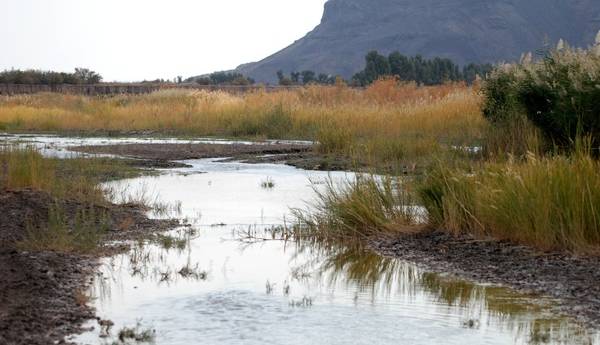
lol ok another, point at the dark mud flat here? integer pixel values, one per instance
(174, 152)
(42, 293)
(573, 280)
(163, 155)
(304, 160)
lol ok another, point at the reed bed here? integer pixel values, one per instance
(387, 121)
(547, 202)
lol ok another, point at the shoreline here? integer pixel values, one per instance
(44, 292)
(570, 279)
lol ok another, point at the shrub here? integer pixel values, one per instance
(559, 94)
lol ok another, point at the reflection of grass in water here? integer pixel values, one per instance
(171, 242)
(350, 263)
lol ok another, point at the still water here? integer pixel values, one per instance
(230, 278)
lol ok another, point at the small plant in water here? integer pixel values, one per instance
(270, 287)
(193, 272)
(268, 183)
(137, 334)
(305, 302)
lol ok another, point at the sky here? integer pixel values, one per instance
(133, 40)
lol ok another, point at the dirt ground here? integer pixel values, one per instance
(175, 152)
(573, 280)
(42, 294)
(300, 156)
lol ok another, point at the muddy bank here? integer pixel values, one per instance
(174, 152)
(573, 280)
(300, 156)
(42, 295)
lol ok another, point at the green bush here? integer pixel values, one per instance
(560, 95)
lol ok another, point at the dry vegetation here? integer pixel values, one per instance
(67, 210)
(487, 177)
(387, 121)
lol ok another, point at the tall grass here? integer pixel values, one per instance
(25, 167)
(361, 207)
(74, 212)
(387, 121)
(547, 202)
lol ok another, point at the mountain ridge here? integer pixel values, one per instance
(463, 30)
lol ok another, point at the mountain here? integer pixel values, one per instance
(462, 30)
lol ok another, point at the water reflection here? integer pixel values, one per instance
(228, 280)
(529, 318)
(327, 283)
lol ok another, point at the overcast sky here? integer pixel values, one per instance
(131, 40)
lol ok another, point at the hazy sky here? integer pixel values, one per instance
(146, 39)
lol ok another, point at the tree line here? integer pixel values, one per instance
(79, 76)
(304, 78)
(418, 69)
(223, 78)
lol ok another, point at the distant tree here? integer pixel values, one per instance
(283, 80)
(80, 76)
(224, 78)
(295, 77)
(86, 76)
(308, 77)
(423, 71)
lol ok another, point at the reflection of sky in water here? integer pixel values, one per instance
(56, 146)
(321, 294)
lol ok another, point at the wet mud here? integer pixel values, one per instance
(42, 293)
(572, 280)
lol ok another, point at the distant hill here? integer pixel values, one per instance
(462, 30)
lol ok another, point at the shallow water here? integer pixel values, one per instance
(229, 279)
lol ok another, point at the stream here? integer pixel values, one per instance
(233, 277)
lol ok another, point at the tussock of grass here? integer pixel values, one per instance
(361, 207)
(547, 202)
(62, 234)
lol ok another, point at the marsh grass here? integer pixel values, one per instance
(547, 202)
(76, 178)
(61, 234)
(361, 207)
(137, 334)
(68, 190)
(387, 121)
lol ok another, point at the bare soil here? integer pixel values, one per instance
(175, 152)
(573, 280)
(42, 293)
(163, 155)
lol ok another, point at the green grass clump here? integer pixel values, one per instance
(75, 211)
(361, 207)
(546, 202)
(62, 234)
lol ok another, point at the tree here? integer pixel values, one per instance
(283, 80)
(86, 76)
(295, 77)
(308, 77)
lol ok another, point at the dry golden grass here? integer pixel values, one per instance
(388, 120)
